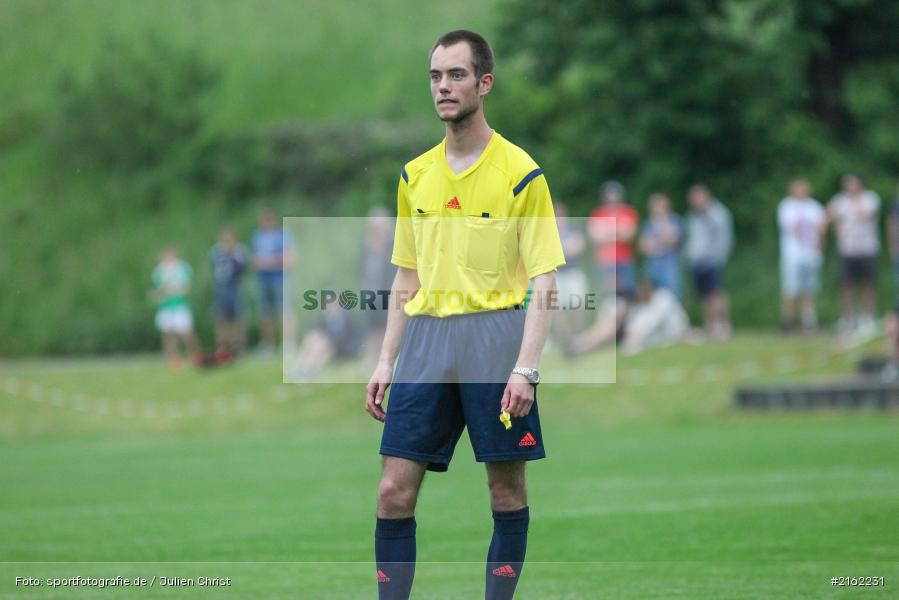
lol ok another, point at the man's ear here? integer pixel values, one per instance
(485, 84)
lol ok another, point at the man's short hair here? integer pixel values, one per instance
(611, 187)
(481, 54)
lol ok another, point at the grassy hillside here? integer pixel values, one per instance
(281, 60)
(79, 244)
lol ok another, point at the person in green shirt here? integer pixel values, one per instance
(174, 319)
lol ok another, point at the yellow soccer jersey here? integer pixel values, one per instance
(476, 237)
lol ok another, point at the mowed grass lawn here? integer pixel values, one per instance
(662, 490)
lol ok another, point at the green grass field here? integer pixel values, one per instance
(660, 490)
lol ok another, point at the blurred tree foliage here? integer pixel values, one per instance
(324, 163)
(137, 110)
(139, 117)
(742, 94)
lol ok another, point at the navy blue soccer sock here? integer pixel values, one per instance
(395, 555)
(506, 555)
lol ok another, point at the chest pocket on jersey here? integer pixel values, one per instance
(488, 242)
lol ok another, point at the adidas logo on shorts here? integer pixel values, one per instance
(528, 440)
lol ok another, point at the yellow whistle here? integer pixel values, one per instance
(506, 420)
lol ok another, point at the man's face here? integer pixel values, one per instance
(454, 88)
(699, 199)
(799, 190)
(612, 197)
(852, 185)
(379, 224)
(269, 220)
(659, 205)
(227, 239)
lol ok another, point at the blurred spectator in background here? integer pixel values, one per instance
(607, 329)
(660, 241)
(273, 253)
(572, 283)
(709, 242)
(612, 227)
(656, 318)
(335, 337)
(891, 320)
(230, 260)
(171, 281)
(893, 234)
(377, 275)
(854, 213)
(802, 222)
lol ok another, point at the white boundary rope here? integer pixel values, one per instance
(20, 388)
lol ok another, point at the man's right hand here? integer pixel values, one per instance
(375, 390)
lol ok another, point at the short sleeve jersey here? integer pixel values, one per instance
(800, 221)
(271, 244)
(228, 266)
(478, 236)
(172, 279)
(616, 252)
(856, 223)
(653, 230)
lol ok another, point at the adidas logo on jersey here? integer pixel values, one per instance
(453, 203)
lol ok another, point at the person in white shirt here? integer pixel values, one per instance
(655, 319)
(802, 222)
(854, 214)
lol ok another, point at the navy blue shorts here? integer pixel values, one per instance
(708, 279)
(271, 294)
(861, 270)
(450, 375)
(227, 302)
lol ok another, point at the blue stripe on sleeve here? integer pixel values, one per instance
(527, 179)
(405, 175)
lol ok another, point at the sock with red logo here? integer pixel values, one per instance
(395, 555)
(506, 555)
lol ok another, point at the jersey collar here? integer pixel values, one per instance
(452, 174)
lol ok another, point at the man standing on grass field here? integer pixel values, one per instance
(475, 228)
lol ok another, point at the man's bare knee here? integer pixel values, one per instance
(504, 497)
(508, 490)
(398, 489)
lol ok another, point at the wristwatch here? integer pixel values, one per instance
(532, 375)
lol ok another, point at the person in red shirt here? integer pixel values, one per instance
(612, 227)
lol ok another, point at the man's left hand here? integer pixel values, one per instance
(518, 396)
